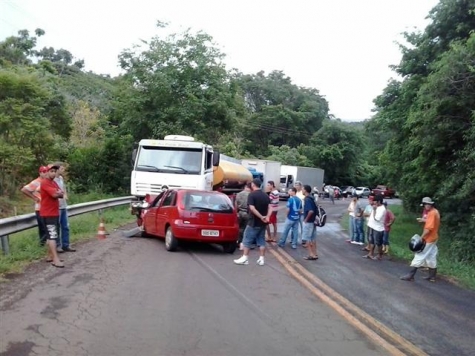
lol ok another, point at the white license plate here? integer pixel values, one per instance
(209, 232)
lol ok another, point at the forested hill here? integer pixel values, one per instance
(420, 140)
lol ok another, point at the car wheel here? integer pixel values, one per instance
(171, 243)
(229, 247)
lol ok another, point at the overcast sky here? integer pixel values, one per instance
(341, 47)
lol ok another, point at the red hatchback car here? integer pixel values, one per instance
(192, 215)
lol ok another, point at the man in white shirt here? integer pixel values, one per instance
(376, 225)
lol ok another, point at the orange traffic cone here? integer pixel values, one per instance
(101, 233)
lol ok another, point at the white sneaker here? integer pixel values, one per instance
(243, 260)
(260, 261)
(354, 243)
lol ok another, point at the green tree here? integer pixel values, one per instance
(176, 84)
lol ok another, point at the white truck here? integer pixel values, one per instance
(179, 161)
(306, 175)
(269, 169)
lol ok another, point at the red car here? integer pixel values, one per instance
(192, 215)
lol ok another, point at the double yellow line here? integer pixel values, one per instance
(380, 334)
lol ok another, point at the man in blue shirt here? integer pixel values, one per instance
(294, 208)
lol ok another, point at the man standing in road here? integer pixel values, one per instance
(294, 206)
(49, 212)
(376, 224)
(309, 234)
(259, 212)
(63, 211)
(242, 211)
(32, 190)
(428, 256)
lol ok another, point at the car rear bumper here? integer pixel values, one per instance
(194, 233)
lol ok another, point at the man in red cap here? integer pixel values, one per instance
(32, 191)
(49, 212)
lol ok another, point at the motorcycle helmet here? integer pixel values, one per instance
(417, 244)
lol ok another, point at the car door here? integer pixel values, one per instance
(165, 211)
(150, 214)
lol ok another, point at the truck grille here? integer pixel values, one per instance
(146, 188)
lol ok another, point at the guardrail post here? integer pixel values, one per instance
(5, 245)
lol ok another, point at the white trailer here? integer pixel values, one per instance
(270, 169)
(306, 175)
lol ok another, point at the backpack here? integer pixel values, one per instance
(320, 216)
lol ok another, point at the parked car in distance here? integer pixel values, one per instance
(192, 215)
(384, 191)
(347, 190)
(362, 192)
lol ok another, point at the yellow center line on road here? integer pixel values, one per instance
(345, 306)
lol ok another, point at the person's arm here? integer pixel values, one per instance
(65, 191)
(52, 190)
(27, 191)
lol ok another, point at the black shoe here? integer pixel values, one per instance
(59, 251)
(69, 249)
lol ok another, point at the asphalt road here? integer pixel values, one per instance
(129, 296)
(124, 296)
(437, 317)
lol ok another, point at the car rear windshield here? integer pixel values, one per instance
(209, 202)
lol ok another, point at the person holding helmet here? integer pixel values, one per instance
(428, 256)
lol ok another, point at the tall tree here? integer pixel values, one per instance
(176, 84)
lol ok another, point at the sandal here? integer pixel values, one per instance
(50, 260)
(310, 258)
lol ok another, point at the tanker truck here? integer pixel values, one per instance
(180, 162)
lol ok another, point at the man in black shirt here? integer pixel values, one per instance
(259, 214)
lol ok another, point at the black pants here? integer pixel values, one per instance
(41, 228)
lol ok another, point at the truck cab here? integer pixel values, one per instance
(175, 162)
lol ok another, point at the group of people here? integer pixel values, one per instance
(257, 213)
(379, 219)
(49, 193)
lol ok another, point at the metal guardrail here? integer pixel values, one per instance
(19, 223)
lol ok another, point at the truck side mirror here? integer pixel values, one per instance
(134, 154)
(216, 156)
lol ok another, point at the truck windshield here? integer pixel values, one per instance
(169, 160)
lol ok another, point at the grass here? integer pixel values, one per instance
(404, 228)
(24, 247)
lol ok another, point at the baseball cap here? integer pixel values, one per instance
(43, 169)
(51, 166)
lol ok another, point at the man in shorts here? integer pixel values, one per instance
(259, 214)
(49, 212)
(376, 225)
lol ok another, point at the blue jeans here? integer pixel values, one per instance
(254, 234)
(358, 231)
(288, 226)
(386, 238)
(64, 228)
(351, 228)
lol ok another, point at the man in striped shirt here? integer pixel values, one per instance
(274, 203)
